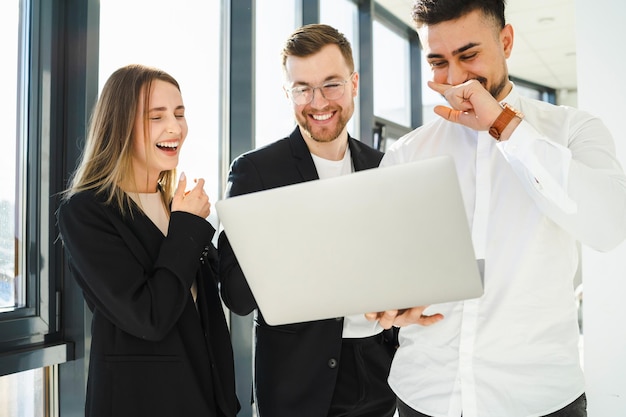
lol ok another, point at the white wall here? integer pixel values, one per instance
(602, 91)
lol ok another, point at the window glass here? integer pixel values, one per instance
(182, 38)
(392, 79)
(11, 282)
(343, 16)
(274, 116)
(529, 92)
(22, 394)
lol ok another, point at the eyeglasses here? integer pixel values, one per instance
(332, 90)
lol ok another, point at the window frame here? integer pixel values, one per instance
(547, 94)
(382, 128)
(32, 336)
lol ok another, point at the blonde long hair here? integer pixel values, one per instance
(106, 159)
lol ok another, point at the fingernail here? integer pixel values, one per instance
(182, 177)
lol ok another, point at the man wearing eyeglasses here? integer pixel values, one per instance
(336, 367)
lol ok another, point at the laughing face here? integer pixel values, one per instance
(470, 47)
(157, 148)
(322, 120)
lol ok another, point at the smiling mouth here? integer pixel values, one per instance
(168, 146)
(322, 117)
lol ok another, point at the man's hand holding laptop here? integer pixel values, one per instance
(404, 317)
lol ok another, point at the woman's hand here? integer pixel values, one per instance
(195, 201)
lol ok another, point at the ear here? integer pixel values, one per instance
(506, 38)
(355, 84)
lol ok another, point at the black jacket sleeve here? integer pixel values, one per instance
(243, 178)
(141, 288)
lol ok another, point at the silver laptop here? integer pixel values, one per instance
(375, 240)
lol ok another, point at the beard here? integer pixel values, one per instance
(495, 89)
(330, 132)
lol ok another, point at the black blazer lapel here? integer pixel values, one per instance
(363, 157)
(300, 152)
(130, 228)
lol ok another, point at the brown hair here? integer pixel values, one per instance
(310, 39)
(106, 159)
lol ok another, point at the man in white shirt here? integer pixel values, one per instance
(536, 179)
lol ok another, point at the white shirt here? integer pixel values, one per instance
(514, 351)
(356, 325)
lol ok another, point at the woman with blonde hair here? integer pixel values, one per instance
(140, 248)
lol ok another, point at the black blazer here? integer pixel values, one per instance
(152, 353)
(296, 364)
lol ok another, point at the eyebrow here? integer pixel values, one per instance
(328, 79)
(456, 51)
(181, 107)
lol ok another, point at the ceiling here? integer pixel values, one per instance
(544, 50)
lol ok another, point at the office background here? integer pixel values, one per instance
(226, 56)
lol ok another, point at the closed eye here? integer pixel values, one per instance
(468, 57)
(331, 87)
(437, 64)
(300, 90)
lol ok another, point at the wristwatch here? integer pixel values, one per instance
(503, 120)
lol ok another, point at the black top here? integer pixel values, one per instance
(153, 353)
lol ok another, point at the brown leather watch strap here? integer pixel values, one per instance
(503, 120)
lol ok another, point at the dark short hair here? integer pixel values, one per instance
(431, 12)
(310, 39)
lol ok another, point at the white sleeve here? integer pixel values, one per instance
(581, 186)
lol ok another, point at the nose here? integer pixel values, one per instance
(174, 126)
(456, 74)
(318, 101)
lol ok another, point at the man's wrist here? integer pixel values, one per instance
(505, 123)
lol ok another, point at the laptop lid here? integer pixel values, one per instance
(381, 239)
